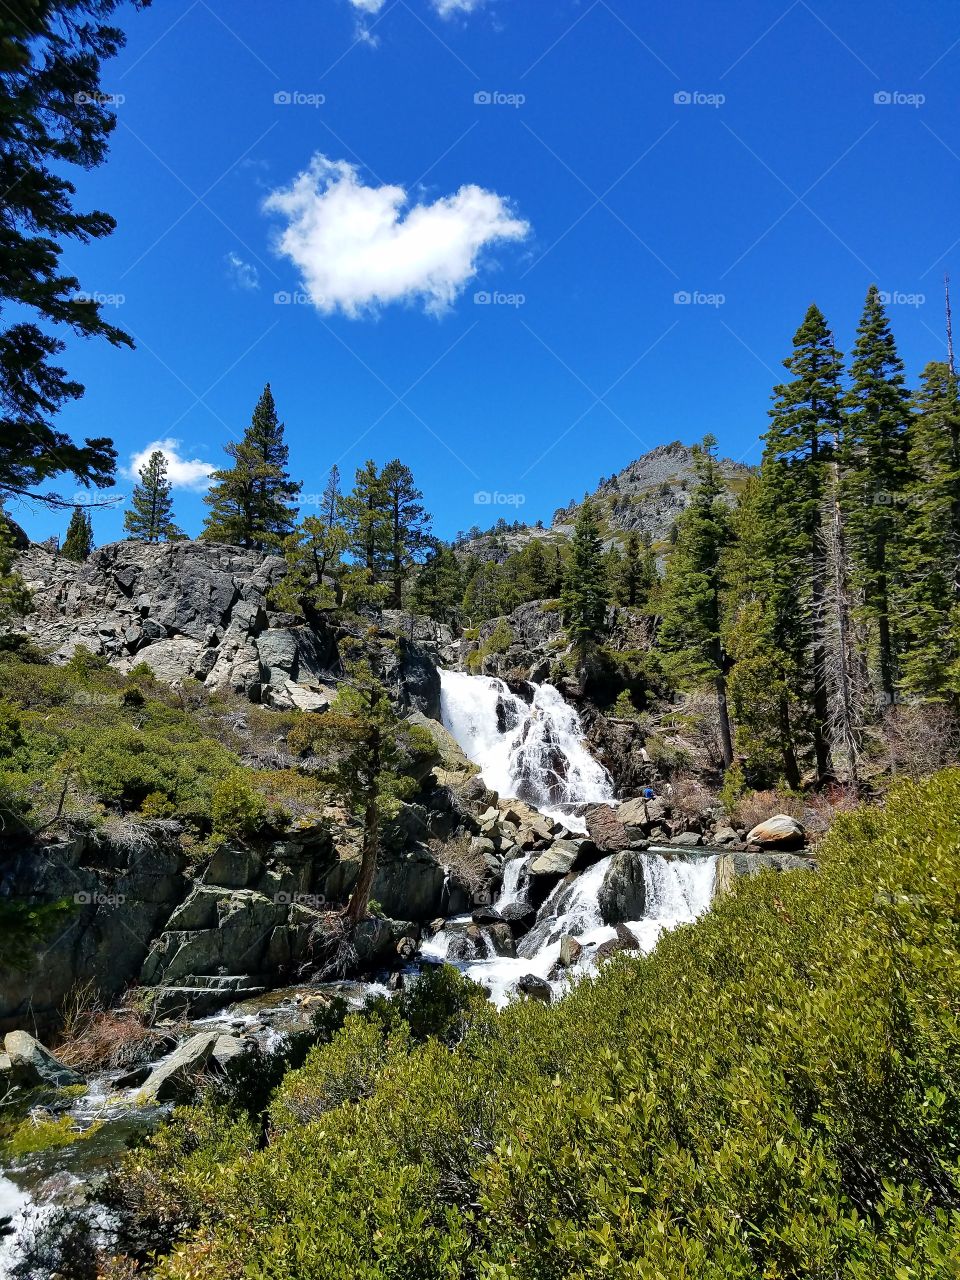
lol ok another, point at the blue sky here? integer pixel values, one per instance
(378, 164)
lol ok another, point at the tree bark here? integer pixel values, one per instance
(726, 737)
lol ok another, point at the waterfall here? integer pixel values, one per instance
(535, 752)
(529, 751)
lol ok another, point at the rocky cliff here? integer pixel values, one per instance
(195, 610)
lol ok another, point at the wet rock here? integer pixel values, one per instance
(486, 915)
(520, 916)
(570, 951)
(175, 1078)
(606, 829)
(31, 1064)
(623, 894)
(501, 936)
(555, 861)
(627, 939)
(536, 988)
(778, 832)
(407, 949)
(687, 840)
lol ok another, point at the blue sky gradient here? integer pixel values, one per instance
(754, 156)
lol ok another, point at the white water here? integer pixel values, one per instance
(529, 751)
(535, 752)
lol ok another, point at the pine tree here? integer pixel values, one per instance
(55, 117)
(366, 515)
(438, 588)
(875, 464)
(14, 597)
(585, 593)
(485, 594)
(638, 574)
(368, 745)
(151, 509)
(409, 526)
(690, 625)
(799, 445)
(251, 503)
(763, 681)
(79, 540)
(927, 598)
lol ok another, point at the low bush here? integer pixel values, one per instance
(774, 1092)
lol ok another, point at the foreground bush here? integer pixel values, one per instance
(774, 1093)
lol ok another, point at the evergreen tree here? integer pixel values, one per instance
(79, 540)
(368, 745)
(638, 573)
(438, 588)
(409, 526)
(800, 444)
(251, 503)
(690, 626)
(14, 596)
(151, 504)
(54, 117)
(875, 465)
(763, 682)
(366, 514)
(927, 601)
(485, 596)
(585, 593)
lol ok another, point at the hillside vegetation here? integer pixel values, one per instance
(774, 1092)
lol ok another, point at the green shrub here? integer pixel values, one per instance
(774, 1092)
(237, 810)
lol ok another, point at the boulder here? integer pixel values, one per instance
(570, 951)
(623, 894)
(633, 813)
(627, 939)
(555, 861)
(486, 915)
(606, 829)
(779, 832)
(520, 916)
(226, 1048)
(174, 1077)
(501, 936)
(536, 988)
(32, 1065)
(687, 840)
(724, 836)
(233, 868)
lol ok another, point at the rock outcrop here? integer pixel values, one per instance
(201, 611)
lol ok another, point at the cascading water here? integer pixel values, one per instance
(535, 752)
(528, 751)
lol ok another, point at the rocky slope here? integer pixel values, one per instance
(194, 610)
(648, 494)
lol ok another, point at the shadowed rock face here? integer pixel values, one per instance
(197, 610)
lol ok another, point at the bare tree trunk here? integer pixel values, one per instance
(726, 737)
(845, 673)
(360, 898)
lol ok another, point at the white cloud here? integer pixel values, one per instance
(183, 473)
(447, 8)
(359, 247)
(243, 275)
(368, 6)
